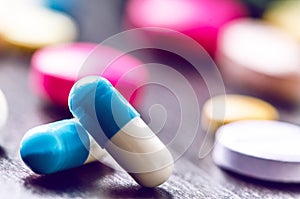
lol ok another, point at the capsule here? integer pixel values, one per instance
(117, 127)
(58, 146)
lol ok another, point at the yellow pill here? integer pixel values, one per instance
(31, 26)
(225, 109)
(285, 14)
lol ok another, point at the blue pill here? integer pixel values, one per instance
(116, 126)
(66, 6)
(58, 146)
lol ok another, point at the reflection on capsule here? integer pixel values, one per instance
(58, 146)
(117, 127)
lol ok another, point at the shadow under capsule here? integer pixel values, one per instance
(138, 192)
(90, 180)
(79, 179)
(2, 153)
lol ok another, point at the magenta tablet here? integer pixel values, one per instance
(199, 19)
(55, 69)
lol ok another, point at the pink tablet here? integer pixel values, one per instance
(199, 19)
(55, 69)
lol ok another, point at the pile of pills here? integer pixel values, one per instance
(260, 56)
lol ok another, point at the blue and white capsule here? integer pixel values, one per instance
(58, 146)
(116, 126)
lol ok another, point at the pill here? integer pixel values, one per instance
(199, 19)
(59, 66)
(258, 57)
(223, 109)
(66, 6)
(58, 146)
(3, 109)
(31, 26)
(286, 15)
(117, 127)
(266, 150)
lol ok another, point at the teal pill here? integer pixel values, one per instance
(55, 147)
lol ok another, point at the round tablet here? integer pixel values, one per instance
(55, 69)
(3, 109)
(285, 14)
(225, 109)
(199, 19)
(32, 26)
(267, 150)
(257, 56)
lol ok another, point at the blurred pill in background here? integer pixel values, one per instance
(100, 16)
(224, 109)
(266, 150)
(58, 146)
(54, 70)
(286, 15)
(259, 57)
(3, 109)
(64, 6)
(32, 26)
(199, 19)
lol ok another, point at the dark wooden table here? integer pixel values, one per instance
(193, 177)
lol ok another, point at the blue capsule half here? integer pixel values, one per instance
(56, 146)
(99, 107)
